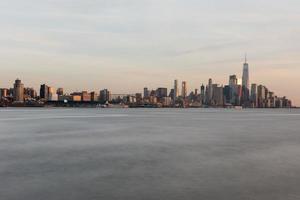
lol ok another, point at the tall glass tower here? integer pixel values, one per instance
(245, 82)
(175, 90)
(184, 89)
(18, 91)
(245, 79)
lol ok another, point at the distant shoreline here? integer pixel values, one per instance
(137, 107)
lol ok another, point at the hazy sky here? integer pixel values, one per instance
(125, 45)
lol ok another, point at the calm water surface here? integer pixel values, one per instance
(147, 154)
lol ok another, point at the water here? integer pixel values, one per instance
(75, 154)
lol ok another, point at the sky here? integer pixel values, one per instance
(125, 45)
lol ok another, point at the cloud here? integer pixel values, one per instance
(170, 38)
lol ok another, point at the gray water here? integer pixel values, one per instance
(145, 154)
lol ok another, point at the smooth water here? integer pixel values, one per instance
(141, 154)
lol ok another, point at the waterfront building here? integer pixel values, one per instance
(161, 92)
(245, 83)
(65, 98)
(4, 92)
(146, 92)
(18, 91)
(202, 94)
(94, 96)
(105, 96)
(233, 85)
(85, 96)
(191, 97)
(153, 100)
(166, 101)
(218, 95)
(227, 94)
(75, 97)
(239, 95)
(60, 91)
(184, 89)
(253, 96)
(44, 92)
(30, 93)
(209, 91)
(139, 98)
(196, 92)
(261, 96)
(11, 92)
(171, 94)
(152, 93)
(129, 99)
(52, 96)
(176, 91)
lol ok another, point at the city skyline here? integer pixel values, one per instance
(243, 79)
(121, 45)
(236, 93)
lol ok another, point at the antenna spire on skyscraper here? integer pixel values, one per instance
(245, 57)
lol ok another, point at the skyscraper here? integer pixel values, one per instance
(218, 95)
(3, 92)
(261, 96)
(18, 91)
(175, 94)
(209, 92)
(245, 83)
(105, 96)
(52, 96)
(161, 92)
(202, 93)
(146, 92)
(227, 94)
(44, 92)
(184, 89)
(233, 83)
(253, 95)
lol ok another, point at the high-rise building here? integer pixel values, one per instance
(253, 96)
(105, 96)
(202, 89)
(176, 92)
(227, 94)
(52, 96)
(146, 92)
(202, 93)
(18, 91)
(94, 96)
(171, 94)
(245, 83)
(29, 93)
(152, 93)
(218, 95)
(196, 92)
(184, 89)
(139, 98)
(161, 92)
(245, 78)
(3, 92)
(233, 85)
(239, 95)
(60, 91)
(44, 92)
(233, 80)
(209, 91)
(85, 96)
(261, 96)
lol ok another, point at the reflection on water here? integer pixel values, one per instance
(149, 154)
